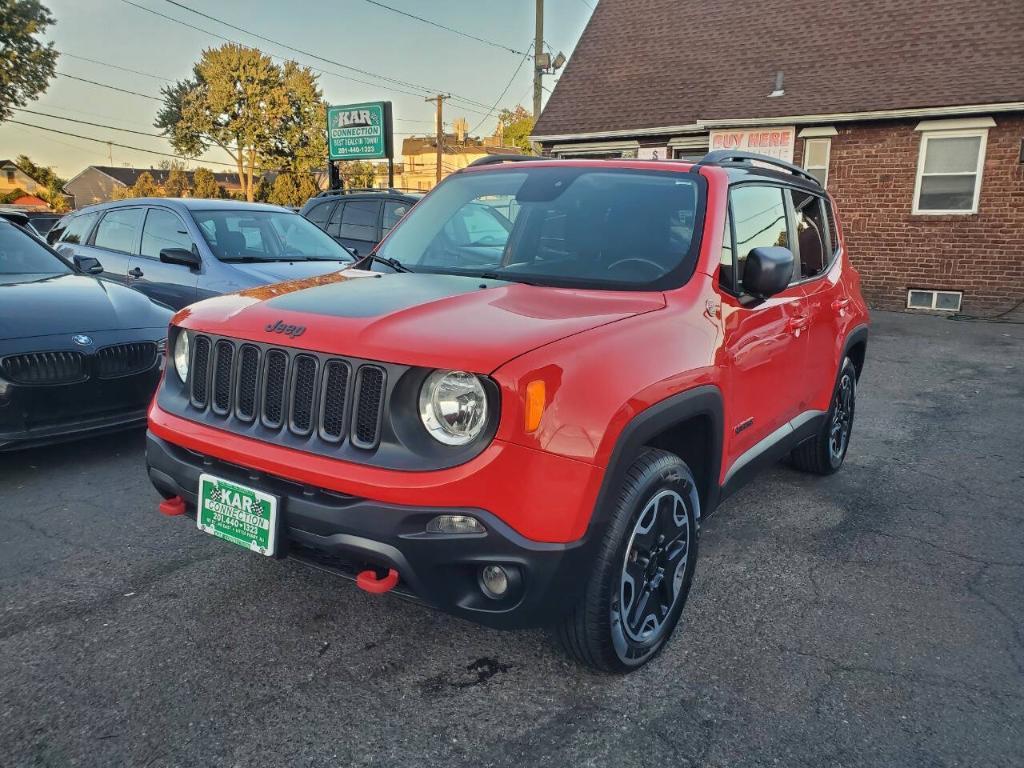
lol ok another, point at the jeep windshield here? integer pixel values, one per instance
(257, 236)
(585, 227)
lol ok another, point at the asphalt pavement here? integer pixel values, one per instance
(872, 618)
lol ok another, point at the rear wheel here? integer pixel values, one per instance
(825, 452)
(643, 570)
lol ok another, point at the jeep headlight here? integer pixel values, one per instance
(453, 406)
(181, 355)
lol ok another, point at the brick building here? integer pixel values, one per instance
(911, 112)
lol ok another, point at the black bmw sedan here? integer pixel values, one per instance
(78, 356)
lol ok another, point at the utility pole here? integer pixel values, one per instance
(440, 99)
(538, 50)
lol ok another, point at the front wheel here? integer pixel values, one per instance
(643, 570)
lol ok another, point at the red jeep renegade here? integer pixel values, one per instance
(521, 405)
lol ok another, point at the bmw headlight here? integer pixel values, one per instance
(181, 355)
(453, 406)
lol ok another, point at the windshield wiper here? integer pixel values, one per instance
(395, 264)
(503, 276)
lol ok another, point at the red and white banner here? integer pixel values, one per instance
(774, 142)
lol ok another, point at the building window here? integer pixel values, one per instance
(816, 156)
(949, 172)
(10, 177)
(943, 301)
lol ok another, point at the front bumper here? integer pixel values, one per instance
(345, 534)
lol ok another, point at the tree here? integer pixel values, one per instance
(307, 188)
(261, 193)
(26, 65)
(356, 174)
(515, 126)
(204, 184)
(54, 194)
(285, 190)
(176, 184)
(144, 186)
(262, 115)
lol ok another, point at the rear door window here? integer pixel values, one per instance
(359, 221)
(119, 230)
(811, 234)
(334, 224)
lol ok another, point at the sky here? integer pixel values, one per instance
(353, 33)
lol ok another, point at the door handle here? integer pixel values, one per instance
(797, 323)
(839, 304)
(135, 272)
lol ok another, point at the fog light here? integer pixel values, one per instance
(455, 524)
(494, 581)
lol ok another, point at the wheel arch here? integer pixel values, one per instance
(855, 347)
(688, 425)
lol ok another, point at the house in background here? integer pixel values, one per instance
(12, 178)
(100, 183)
(910, 112)
(458, 149)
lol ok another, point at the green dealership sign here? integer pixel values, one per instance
(359, 131)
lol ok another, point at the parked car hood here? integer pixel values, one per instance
(276, 271)
(72, 304)
(441, 321)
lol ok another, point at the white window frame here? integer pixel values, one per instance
(927, 136)
(828, 156)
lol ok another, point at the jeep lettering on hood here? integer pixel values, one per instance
(430, 320)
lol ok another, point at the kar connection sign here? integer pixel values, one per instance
(359, 131)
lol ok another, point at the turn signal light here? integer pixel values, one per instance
(536, 395)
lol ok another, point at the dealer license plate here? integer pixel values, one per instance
(239, 514)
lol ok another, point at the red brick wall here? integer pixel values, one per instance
(871, 175)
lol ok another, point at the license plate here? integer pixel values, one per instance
(239, 514)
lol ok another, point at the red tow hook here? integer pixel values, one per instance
(172, 506)
(368, 581)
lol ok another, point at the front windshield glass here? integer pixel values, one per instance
(250, 236)
(556, 225)
(21, 255)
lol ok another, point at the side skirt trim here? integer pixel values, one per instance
(769, 449)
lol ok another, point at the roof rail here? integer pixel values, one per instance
(721, 156)
(493, 159)
(363, 190)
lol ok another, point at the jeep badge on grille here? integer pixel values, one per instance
(288, 330)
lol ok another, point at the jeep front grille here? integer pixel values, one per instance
(320, 397)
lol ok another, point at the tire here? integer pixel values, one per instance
(824, 453)
(658, 498)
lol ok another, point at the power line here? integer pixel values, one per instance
(111, 87)
(127, 146)
(448, 29)
(114, 66)
(86, 122)
(313, 55)
(509, 85)
(278, 58)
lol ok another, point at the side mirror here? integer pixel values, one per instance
(355, 252)
(768, 271)
(182, 256)
(89, 265)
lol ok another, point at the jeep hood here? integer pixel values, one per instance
(437, 321)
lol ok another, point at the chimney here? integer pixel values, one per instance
(461, 129)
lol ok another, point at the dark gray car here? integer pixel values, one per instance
(178, 251)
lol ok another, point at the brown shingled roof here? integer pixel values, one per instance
(656, 63)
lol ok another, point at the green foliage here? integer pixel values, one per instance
(516, 125)
(292, 189)
(54, 193)
(356, 174)
(264, 116)
(10, 197)
(26, 65)
(144, 186)
(261, 193)
(204, 184)
(176, 184)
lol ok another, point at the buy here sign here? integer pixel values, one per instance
(775, 142)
